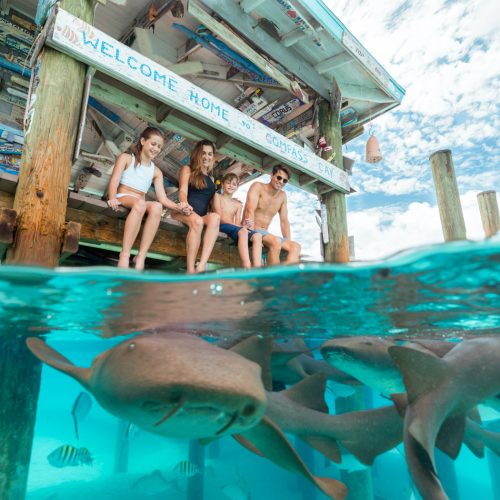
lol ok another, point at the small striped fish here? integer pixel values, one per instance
(186, 468)
(68, 455)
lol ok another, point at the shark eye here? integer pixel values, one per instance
(248, 411)
(131, 346)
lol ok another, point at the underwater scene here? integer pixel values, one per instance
(376, 380)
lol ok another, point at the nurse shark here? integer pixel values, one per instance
(181, 386)
(441, 391)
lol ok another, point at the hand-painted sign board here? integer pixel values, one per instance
(87, 44)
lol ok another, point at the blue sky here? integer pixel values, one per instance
(446, 55)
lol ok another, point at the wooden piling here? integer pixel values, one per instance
(196, 483)
(7, 227)
(337, 248)
(448, 199)
(19, 386)
(42, 191)
(488, 207)
(359, 483)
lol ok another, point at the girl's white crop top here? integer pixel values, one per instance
(139, 177)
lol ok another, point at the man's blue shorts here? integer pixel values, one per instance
(232, 231)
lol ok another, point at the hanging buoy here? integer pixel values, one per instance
(373, 154)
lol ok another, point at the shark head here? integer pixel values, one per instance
(367, 359)
(171, 384)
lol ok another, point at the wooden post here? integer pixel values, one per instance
(196, 483)
(42, 191)
(19, 386)
(359, 482)
(488, 207)
(337, 248)
(450, 210)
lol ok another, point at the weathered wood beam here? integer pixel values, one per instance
(250, 5)
(162, 112)
(352, 133)
(240, 46)
(98, 229)
(361, 93)
(245, 24)
(292, 37)
(305, 180)
(333, 62)
(222, 140)
(7, 229)
(71, 240)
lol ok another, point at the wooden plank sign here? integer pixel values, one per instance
(85, 43)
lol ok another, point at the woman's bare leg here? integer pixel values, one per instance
(212, 222)
(243, 247)
(257, 250)
(132, 225)
(154, 210)
(193, 238)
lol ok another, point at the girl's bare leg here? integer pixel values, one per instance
(212, 222)
(154, 210)
(257, 250)
(243, 247)
(132, 225)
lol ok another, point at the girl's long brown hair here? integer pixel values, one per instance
(197, 178)
(136, 149)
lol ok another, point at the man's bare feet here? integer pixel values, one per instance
(124, 260)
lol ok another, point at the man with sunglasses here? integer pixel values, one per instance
(264, 201)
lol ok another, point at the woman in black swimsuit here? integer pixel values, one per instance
(197, 188)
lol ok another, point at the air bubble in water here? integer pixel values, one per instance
(216, 288)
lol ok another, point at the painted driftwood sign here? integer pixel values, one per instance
(87, 44)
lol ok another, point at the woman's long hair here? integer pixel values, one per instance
(197, 178)
(136, 149)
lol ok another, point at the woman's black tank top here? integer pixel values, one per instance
(200, 199)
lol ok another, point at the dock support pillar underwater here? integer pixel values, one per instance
(337, 247)
(53, 112)
(359, 483)
(196, 483)
(20, 383)
(448, 199)
(306, 489)
(488, 207)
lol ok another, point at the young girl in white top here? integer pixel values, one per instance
(131, 179)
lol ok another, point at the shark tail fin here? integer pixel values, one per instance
(422, 371)
(51, 357)
(400, 402)
(309, 392)
(270, 440)
(451, 434)
(258, 349)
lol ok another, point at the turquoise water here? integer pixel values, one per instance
(441, 292)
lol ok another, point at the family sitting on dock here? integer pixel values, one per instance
(200, 206)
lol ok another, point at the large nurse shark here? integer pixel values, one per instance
(367, 359)
(181, 386)
(441, 391)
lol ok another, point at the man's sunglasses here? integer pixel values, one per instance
(284, 179)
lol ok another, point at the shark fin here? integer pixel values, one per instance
(247, 444)
(422, 371)
(268, 438)
(450, 436)
(327, 446)
(50, 356)
(257, 349)
(472, 440)
(309, 392)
